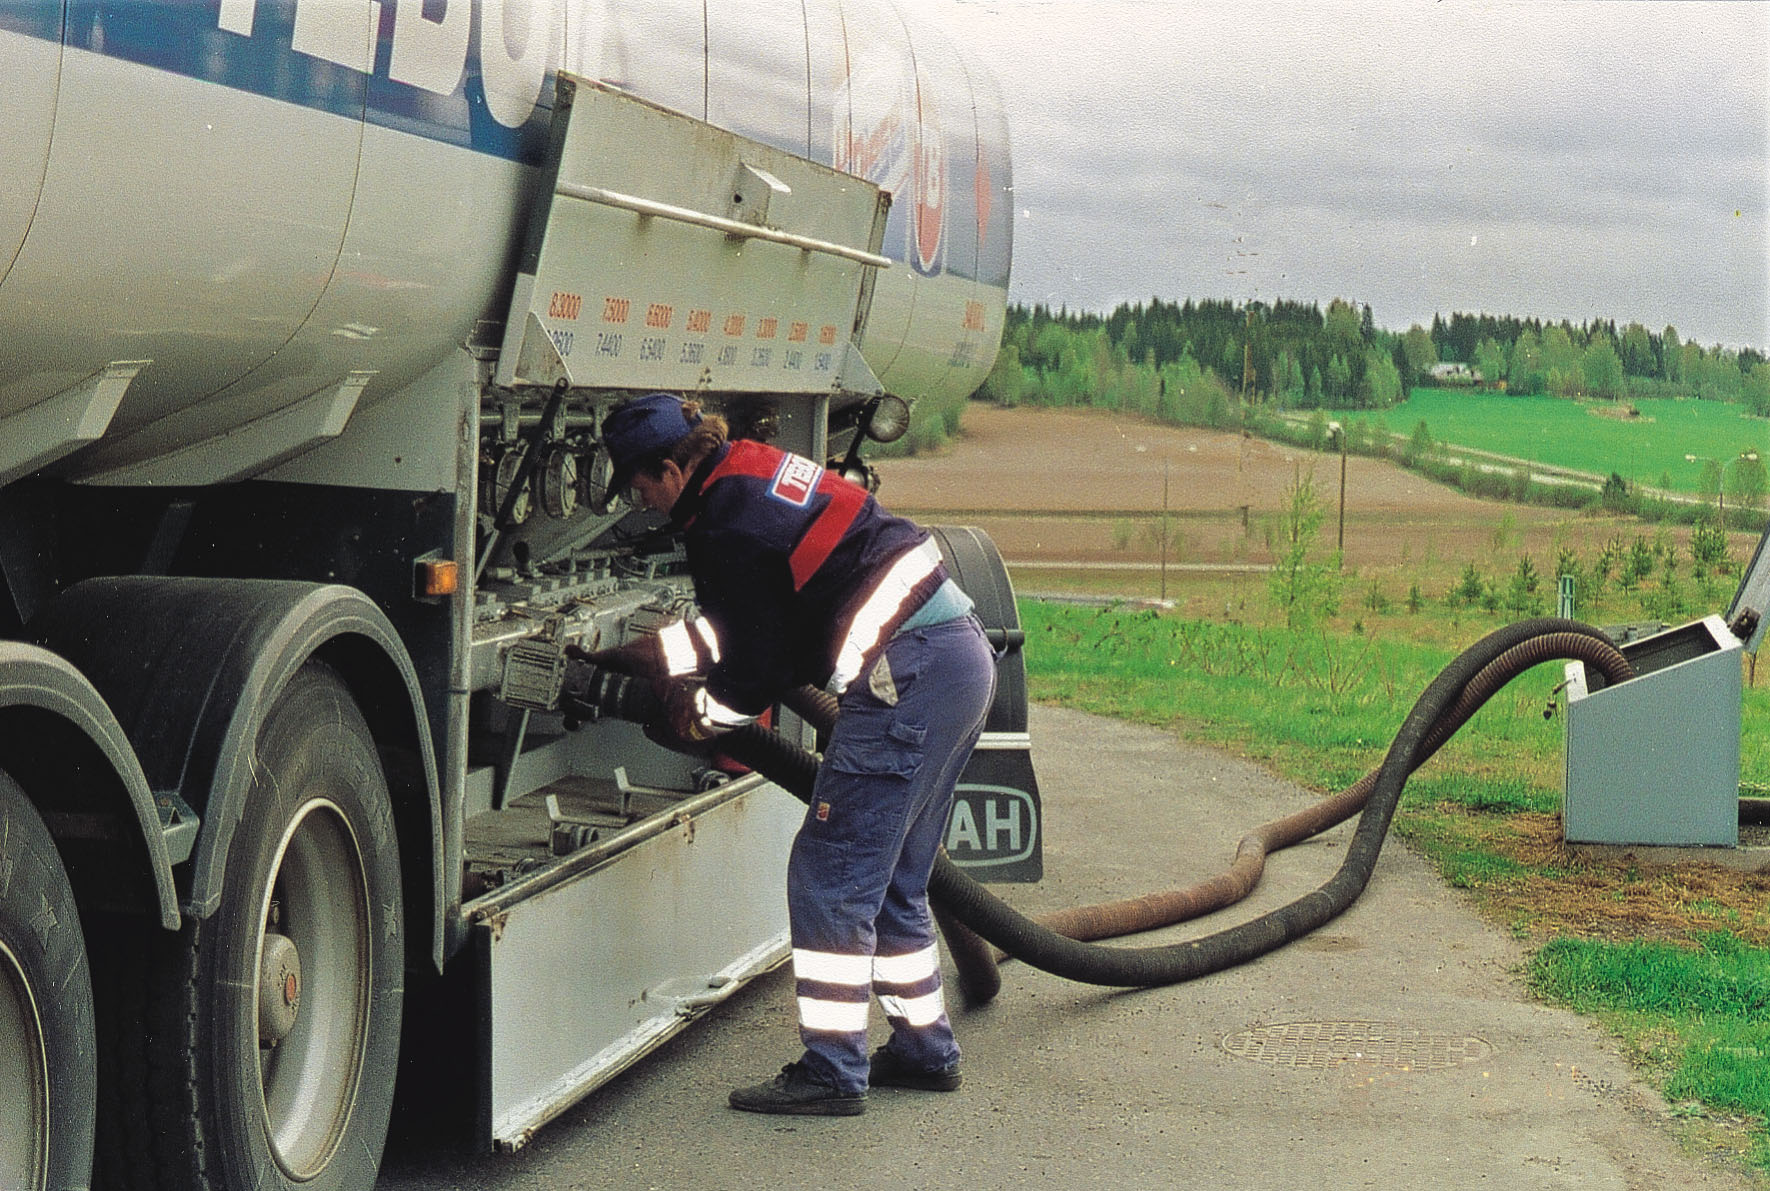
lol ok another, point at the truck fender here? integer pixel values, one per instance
(43, 696)
(190, 666)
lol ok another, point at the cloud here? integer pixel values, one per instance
(1596, 152)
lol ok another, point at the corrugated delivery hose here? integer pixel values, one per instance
(969, 914)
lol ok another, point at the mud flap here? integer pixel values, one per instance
(995, 832)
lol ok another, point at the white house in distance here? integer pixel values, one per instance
(1452, 373)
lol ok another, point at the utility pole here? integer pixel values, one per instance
(1342, 545)
(1338, 433)
(1164, 529)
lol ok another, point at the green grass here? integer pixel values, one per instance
(1563, 433)
(1724, 980)
(1500, 796)
(1326, 702)
(1702, 1017)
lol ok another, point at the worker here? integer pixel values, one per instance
(802, 578)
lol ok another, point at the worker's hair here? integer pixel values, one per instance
(707, 433)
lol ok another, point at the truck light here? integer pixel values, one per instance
(887, 418)
(435, 577)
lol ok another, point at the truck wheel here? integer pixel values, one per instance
(46, 1025)
(282, 1009)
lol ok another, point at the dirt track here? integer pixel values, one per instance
(1085, 460)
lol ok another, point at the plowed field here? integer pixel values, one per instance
(1074, 499)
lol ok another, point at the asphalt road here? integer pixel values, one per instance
(1395, 1047)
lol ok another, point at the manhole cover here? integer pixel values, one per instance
(1321, 1044)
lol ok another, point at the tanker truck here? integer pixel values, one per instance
(310, 311)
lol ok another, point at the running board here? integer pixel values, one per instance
(623, 945)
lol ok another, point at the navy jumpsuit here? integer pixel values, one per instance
(803, 578)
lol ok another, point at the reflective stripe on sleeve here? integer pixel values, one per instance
(679, 652)
(879, 609)
(906, 969)
(918, 1011)
(709, 639)
(842, 1017)
(717, 715)
(829, 967)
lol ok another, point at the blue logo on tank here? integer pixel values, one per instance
(390, 62)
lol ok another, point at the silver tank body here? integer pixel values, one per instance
(247, 203)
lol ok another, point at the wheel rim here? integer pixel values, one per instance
(24, 1074)
(314, 929)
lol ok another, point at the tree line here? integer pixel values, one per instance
(1195, 360)
(1592, 359)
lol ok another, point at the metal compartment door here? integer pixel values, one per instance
(671, 254)
(587, 976)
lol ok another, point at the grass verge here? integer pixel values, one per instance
(1697, 1018)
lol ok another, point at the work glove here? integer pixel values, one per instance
(685, 717)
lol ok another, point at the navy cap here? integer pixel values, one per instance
(643, 427)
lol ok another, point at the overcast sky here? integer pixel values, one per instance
(1563, 160)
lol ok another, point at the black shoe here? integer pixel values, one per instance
(794, 1091)
(888, 1070)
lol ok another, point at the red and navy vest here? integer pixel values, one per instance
(783, 552)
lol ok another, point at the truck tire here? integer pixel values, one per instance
(265, 1037)
(46, 1023)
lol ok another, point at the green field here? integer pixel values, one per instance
(1649, 449)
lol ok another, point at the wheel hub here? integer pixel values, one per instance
(312, 1034)
(279, 988)
(24, 1073)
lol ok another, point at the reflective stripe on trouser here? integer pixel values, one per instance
(857, 881)
(908, 988)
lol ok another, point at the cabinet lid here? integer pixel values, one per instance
(1746, 614)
